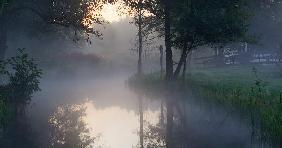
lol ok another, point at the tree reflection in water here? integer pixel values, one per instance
(68, 129)
(154, 136)
(155, 133)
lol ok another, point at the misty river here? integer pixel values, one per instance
(112, 114)
(140, 74)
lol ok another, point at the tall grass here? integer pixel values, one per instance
(261, 104)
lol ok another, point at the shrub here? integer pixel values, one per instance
(23, 75)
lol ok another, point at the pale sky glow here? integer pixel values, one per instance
(114, 12)
(110, 13)
(115, 125)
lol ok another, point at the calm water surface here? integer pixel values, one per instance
(112, 114)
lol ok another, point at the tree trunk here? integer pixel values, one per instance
(140, 50)
(161, 61)
(162, 114)
(184, 69)
(169, 60)
(187, 62)
(220, 58)
(3, 38)
(140, 72)
(181, 61)
(169, 121)
(169, 74)
(141, 116)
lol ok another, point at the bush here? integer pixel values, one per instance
(23, 74)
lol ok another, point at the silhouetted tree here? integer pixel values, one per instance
(23, 77)
(77, 15)
(191, 24)
(207, 23)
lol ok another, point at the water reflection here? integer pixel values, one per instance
(154, 135)
(116, 125)
(88, 125)
(113, 119)
(68, 130)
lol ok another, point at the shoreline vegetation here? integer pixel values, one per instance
(20, 78)
(248, 90)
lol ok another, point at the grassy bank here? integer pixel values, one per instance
(254, 92)
(257, 92)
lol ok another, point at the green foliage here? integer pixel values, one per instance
(24, 76)
(77, 15)
(199, 22)
(203, 22)
(3, 5)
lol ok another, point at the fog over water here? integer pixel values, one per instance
(95, 77)
(101, 85)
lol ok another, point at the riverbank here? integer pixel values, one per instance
(249, 91)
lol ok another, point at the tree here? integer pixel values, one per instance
(77, 15)
(137, 8)
(207, 23)
(191, 24)
(24, 76)
(188, 24)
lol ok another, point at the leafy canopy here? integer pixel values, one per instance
(208, 22)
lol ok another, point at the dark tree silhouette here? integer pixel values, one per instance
(77, 15)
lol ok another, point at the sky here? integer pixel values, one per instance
(109, 13)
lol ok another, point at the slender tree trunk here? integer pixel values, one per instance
(140, 72)
(184, 69)
(181, 61)
(187, 62)
(169, 121)
(141, 118)
(169, 60)
(169, 74)
(140, 49)
(162, 114)
(3, 38)
(161, 61)
(220, 57)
